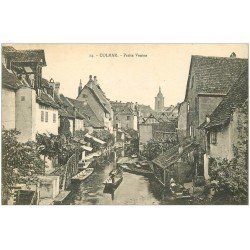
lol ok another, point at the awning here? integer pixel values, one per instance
(95, 139)
(87, 148)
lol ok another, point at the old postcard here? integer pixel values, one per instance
(124, 124)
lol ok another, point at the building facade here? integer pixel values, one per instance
(93, 95)
(125, 115)
(28, 106)
(222, 128)
(209, 81)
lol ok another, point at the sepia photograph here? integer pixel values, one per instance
(124, 124)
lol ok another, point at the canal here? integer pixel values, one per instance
(133, 190)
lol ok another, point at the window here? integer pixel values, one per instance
(46, 117)
(22, 98)
(117, 118)
(54, 118)
(128, 118)
(42, 116)
(213, 137)
(188, 107)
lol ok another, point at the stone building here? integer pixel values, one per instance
(27, 105)
(125, 115)
(222, 127)
(209, 81)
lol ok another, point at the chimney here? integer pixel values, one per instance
(95, 80)
(233, 55)
(90, 82)
(80, 87)
(57, 87)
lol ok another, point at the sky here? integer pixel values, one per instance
(126, 78)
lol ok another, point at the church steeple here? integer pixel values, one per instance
(159, 101)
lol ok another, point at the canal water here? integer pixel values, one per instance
(133, 190)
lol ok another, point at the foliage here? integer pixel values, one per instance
(154, 148)
(230, 182)
(51, 146)
(64, 128)
(81, 133)
(20, 162)
(133, 147)
(103, 135)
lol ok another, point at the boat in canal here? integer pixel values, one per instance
(136, 168)
(82, 175)
(82, 165)
(179, 192)
(114, 180)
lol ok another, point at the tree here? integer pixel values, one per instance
(64, 128)
(103, 135)
(20, 162)
(154, 148)
(133, 142)
(81, 133)
(230, 182)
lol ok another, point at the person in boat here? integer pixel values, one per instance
(112, 176)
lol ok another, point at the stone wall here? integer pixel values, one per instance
(8, 108)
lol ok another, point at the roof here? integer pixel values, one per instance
(172, 155)
(98, 94)
(145, 109)
(85, 110)
(37, 56)
(69, 108)
(9, 80)
(236, 96)
(7, 49)
(151, 116)
(164, 126)
(214, 75)
(122, 109)
(45, 83)
(47, 100)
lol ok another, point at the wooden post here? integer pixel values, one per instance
(164, 179)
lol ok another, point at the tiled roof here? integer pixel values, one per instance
(26, 56)
(172, 155)
(45, 83)
(63, 112)
(47, 100)
(99, 95)
(164, 126)
(7, 49)
(9, 80)
(69, 107)
(151, 116)
(214, 75)
(85, 110)
(236, 96)
(123, 110)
